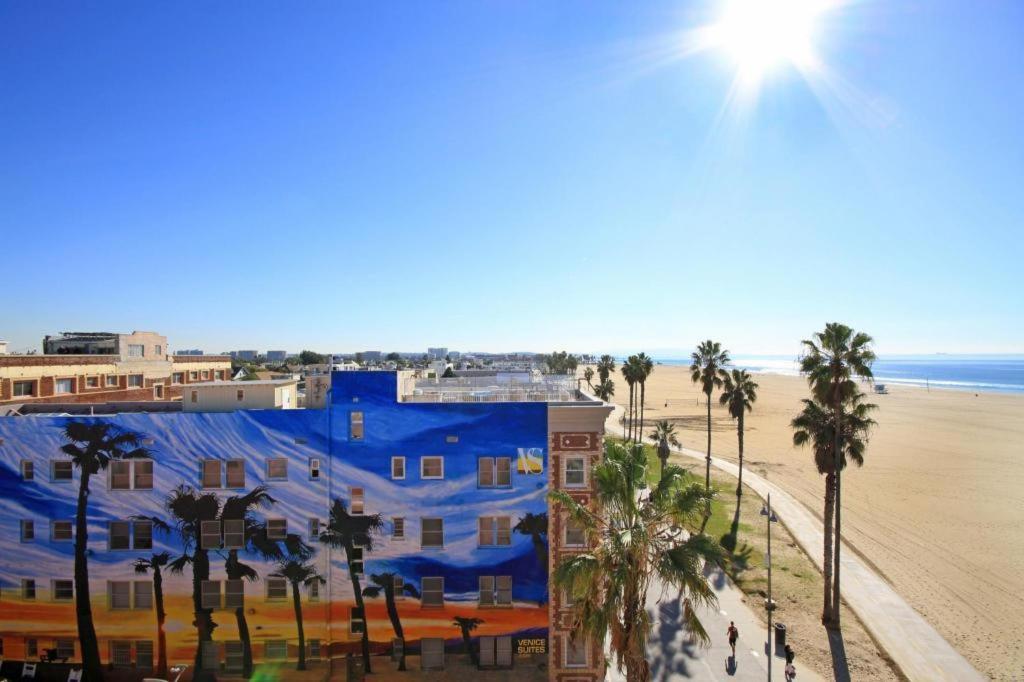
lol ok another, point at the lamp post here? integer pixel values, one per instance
(766, 511)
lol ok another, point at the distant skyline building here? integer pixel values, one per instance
(248, 355)
(437, 353)
(277, 355)
(372, 355)
(192, 351)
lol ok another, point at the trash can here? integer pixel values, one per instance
(780, 637)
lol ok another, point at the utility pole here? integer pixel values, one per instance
(766, 511)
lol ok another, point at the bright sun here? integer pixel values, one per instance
(764, 35)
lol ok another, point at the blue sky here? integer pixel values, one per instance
(507, 176)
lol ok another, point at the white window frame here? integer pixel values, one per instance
(234, 534)
(565, 471)
(136, 381)
(208, 532)
(567, 646)
(138, 476)
(28, 589)
(234, 594)
(126, 475)
(425, 590)
(423, 532)
(489, 464)
(314, 529)
(208, 590)
(28, 470)
(400, 460)
(65, 647)
(238, 465)
(53, 530)
(62, 462)
(28, 530)
(491, 526)
(274, 585)
(21, 382)
(209, 463)
(119, 530)
(64, 381)
(426, 659)
(144, 589)
(357, 498)
(69, 583)
(280, 531)
(110, 595)
(111, 380)
(565, 536)
(423, 466)
(277, 460)
(398, 528)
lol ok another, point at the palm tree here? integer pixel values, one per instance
(832, 361)
(189, 508)
(815, 426)
(588, 376)
(92, 445)
(665, 436)
(708, 369)
(536, 527)
(739, 393)
(385, 583)
(605, 367)
(299, 573)
(631, 373)
(347, 531)
(155, 564)
(645, 367)
(635, 540)
(605, 390)
(467, 625)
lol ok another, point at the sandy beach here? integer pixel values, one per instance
(937, 508)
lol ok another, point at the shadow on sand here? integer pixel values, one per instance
(840, 669)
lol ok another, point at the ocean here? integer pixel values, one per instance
(1003, 373)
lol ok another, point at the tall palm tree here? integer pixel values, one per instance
(299, 574)
(92, 445)
(605, 367)
(635, 540)
(467, 625)
(739, 393)
(155, 564)
(536, 527)
(347, 531)
(833, 360)
(605, 390)
(708, 370)
(588, 376)
(385, 583)
(665, 436)
(645, 367)
(631, 373)
(189, 508)
(815, 425)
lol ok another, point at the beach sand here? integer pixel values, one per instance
(937, 508)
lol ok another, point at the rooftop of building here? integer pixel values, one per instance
(243, 384)
(500, 387)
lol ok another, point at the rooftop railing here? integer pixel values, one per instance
(493, 389)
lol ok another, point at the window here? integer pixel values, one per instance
(135, 381)
(234, 533)
(65, 648)
(432, 653)
(64, 386)
(431, 467)
(28, 530)
(277, 588)
(143, 593)
(313, 590)
(398, 528)
(432, 533)
(356, 560)
(209, 535)
(120, 475)
(144, 654)
(494, 472)
(568, 601)
(575, 472)
(210, 595)
(314, 649)
(235, 473)
(355, 426)
(92, 382)
(234, 594)
(63, 590)
(143, 479)
(234, 656)
(495, 531)
(495, 590)
(451, 439)
(195, 396)
(357, 500)
(136, 350)
(28, 588)
(211, 473)
(31, 648)
(142, 534)
(206, 376)
(277, 529)
(496, 651)
(28, 470)
(277, 469)
(276, 649)
(240, 395)
(193, 376)
(398, 468)
(121, 654)
(574, 534)
(158, 350)
(24, 389)
(60, 531)
(575, 653)
(314, 468)
(61, 470)
(177, 377)
(120, 534)
(110, 380)
(119, 594)
(158, 391)
(314, 530)
(432, 592)
(209, 656)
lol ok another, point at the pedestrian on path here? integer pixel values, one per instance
(790, 672)
(733, 634)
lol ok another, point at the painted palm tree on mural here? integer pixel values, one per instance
(92, 445)
(188, 509)
(833, 360)
(390, 585)
(644, 369)
(466, 626)
(347, 531)
(665, 436)
(739, 393)
(155, 564)
(299, 574)
(535, 526)
(815, 425)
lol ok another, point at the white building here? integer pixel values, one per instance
(227, 396)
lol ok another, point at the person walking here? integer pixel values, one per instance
(733, 634)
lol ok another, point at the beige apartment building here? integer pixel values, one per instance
(95, 367)
(228, 396)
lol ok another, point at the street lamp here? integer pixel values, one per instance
(766, 511)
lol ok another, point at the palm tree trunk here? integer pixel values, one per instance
(396, 623)
(629, 430)
(643, 388)
(361, 605)
(203, 618)
(161, 617)
(707, 463)
(240, 619)
(739, 437)
(468, 643)
(297, 602)
(91, 663)
(540, 548)
(830, 489)
(839, 489)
